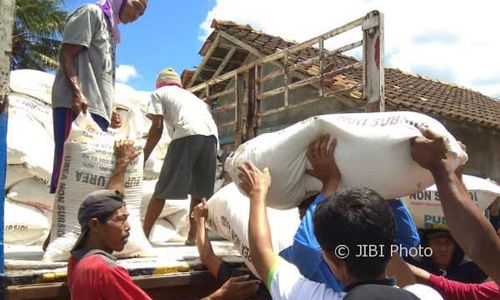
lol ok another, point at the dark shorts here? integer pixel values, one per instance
(189, 168)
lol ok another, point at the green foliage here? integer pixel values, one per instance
(38, 28)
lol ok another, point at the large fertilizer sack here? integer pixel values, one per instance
(24, 225)
(373, 150)
(171, 206)
(228, 213)
(425, 206)
(34, 193)
(16, 173)
(29, 142)
(152, 167)
(41, 112)
(87, 166)
(34, 83)
(173, 222)
(173, 228)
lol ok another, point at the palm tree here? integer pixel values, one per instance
(37, 34)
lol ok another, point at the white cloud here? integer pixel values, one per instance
(450, 40)
(126, 72)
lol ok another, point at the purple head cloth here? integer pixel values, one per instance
(112, 8)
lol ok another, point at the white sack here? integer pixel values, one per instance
(170, 229)
(29, 143)
(40, 111)
(154, 164)
(87, 166)
(16, 173)
(34, 193)
(171, 206)
(180, 221)
(152, 167)
(132, 107)
(23, 224)
(373, 150)
(34, 83)
(228, 213)
(425, 206)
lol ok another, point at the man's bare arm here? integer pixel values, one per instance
(154, 135)
(467, 225)
(207, 255)
(256, 184)
(421, 275)
(69, 53)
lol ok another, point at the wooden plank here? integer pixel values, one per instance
(253, 90)
(58, 290)
(286, 80)
(220, 94)
(224, 108)
(373, 61)
(204, 61)
(321, 66)
(315, 40)
(238, 112)
(310, 101)
(230, 123)
(272, 75)
(308, 81)
(224, 63)
(190, 285)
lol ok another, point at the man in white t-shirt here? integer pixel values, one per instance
(189, 166)
(343, 224)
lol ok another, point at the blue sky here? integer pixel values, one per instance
(453, 42)
(166, 35)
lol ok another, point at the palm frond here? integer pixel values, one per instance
(38, 29)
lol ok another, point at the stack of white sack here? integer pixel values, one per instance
(425, 206)
(173, 223)
(228, 213)
(30, 146)
(373, 150)
(87, 166)
(28, 208)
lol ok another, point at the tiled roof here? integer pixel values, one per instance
(402, 90)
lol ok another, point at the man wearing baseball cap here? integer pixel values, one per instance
(189, 166)
(92, 270)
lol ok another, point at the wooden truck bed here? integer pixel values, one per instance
(176, 273)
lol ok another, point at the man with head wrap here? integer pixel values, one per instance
(85, 78)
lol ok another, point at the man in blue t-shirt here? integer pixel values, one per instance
(305, 252)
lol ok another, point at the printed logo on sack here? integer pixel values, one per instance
(434, 221)
(434, 196)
